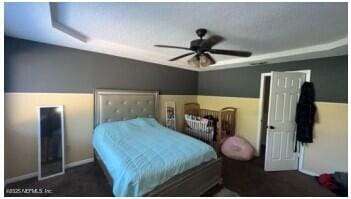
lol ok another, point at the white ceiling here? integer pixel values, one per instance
(274, 32)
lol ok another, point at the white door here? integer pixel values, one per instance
(281, 134)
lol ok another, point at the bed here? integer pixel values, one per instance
(140, 157)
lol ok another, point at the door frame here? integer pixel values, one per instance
(260, 113)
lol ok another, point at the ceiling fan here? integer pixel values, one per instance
(202, 47)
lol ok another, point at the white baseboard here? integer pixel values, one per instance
(310, 173)
(34, 174)
(20, 178)
(78, 163)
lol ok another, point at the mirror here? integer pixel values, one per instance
(50, 141)
(170, 115)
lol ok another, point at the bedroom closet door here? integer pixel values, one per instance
(281, 128)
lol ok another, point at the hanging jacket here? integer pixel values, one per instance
(305, 113)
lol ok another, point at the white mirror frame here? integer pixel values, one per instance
(39, 142)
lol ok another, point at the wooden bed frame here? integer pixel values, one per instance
(113, 105)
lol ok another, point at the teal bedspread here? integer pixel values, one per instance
(141, 154)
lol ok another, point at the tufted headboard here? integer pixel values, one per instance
(115, 105)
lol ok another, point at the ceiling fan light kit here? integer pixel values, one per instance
(202, 47)
(194, 61)
(202, 60)
(206, 60)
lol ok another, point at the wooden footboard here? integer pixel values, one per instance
(193, 182)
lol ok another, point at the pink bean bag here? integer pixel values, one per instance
(237, 148)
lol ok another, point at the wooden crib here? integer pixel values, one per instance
(224, 127)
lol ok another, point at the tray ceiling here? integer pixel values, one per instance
(274, 32)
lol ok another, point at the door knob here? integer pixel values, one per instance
(271, 127)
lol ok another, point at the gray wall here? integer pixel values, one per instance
(329, 76)
(37, 67)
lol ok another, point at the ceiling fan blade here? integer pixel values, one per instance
(231, 52)
(211, 41)
(210, 58)
(166, 46)
(181, 56)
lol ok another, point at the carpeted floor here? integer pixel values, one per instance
(85, 181)
(244, 178)
(249, 179)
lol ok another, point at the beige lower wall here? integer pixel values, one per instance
(246, 115)
(180, 100)
(21, 126)
(328, 153)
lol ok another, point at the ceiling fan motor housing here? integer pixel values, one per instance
(195, 45)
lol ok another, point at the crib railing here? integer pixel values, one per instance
(212, 133)
(199, 129)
